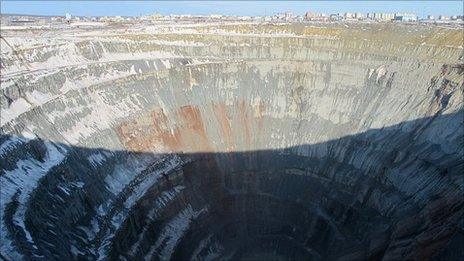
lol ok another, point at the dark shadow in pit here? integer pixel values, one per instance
(390, 193)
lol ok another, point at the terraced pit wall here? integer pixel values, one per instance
(232, 142)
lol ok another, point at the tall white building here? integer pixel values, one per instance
(406, 17)
(349, 15)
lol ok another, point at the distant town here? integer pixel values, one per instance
(279, 17)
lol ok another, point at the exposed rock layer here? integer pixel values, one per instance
(232, 142)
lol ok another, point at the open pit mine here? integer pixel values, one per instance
(232, 141)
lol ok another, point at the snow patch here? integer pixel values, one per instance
(24, 180)
(172, 232)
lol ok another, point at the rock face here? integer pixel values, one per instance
(232, 141)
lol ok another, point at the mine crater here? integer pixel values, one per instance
(234, 145)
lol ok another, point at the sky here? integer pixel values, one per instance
(136, 8)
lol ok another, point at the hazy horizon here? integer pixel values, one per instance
(137, 8)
